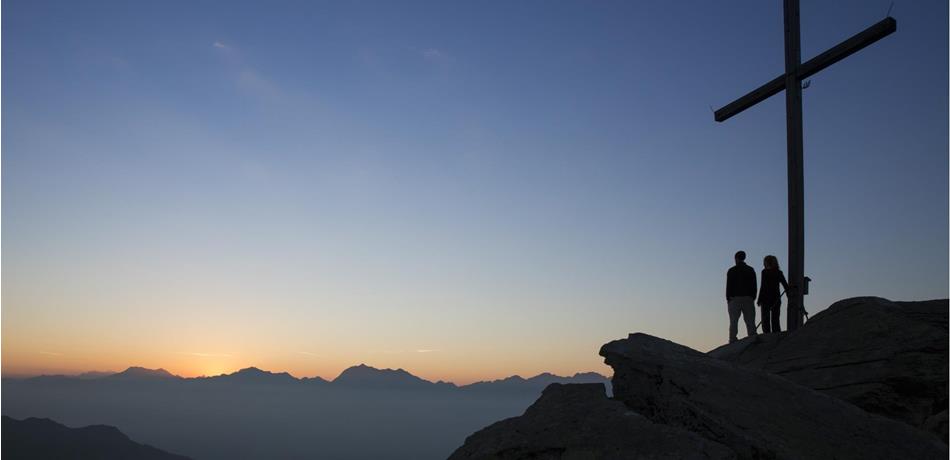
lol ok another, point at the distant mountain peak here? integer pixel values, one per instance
(256, 375)
(363, 369)
(252, 370)
(362, 375)
(142, 372)
(590, 375)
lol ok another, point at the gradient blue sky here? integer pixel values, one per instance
(463, 189)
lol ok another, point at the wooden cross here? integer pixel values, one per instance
(790, 81)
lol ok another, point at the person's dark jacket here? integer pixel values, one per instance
(769, 294)
(740, 281)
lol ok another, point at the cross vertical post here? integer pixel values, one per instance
(796, 194)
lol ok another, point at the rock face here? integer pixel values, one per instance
(755, 413)
(888, 358)
(578, 421)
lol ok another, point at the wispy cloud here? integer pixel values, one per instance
(204, 355)
(50, 353)
(388, 352)
(246, 78)
(433, 54)
(307, 353)
(395, 352)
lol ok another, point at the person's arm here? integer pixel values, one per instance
(728, 284)
(781, 278)
(759, 301)
(755, 285)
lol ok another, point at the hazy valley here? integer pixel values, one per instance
(364, 413)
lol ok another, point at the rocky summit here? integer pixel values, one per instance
(888, 358)
(843, 386)
(756, 413)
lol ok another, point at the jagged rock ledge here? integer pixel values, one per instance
(888, 358)
(671, 401)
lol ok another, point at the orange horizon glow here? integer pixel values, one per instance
(192, 340)
(198, 364)
(31, 371)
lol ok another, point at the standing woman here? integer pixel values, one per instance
(770, 298)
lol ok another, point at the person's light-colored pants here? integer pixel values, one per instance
(744, 306)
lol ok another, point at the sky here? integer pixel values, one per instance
(466, 190)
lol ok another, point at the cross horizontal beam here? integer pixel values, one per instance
(814, 65)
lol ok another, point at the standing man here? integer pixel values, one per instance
(740, 296)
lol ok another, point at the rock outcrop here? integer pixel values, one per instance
(578, 421)
(865, 379)
(888, 358)
(753, 412)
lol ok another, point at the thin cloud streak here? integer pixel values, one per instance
(248, 79)
(432, 53)
(388, 352)
(396, 352)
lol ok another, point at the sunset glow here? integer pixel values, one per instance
(203, 188)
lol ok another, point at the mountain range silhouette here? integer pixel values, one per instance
(255, 413)
(359, 376)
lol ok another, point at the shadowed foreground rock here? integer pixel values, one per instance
(578, 421)
(866, 378)
(888, 358)
(754, 413)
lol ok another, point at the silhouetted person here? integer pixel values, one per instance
(770, 299)
(740, 296)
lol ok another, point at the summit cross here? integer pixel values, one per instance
(790, 81)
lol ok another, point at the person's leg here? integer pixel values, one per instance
(733, 307)
(748, 313)
(766, 324)
(776, 314)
